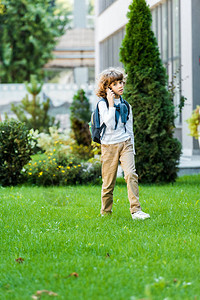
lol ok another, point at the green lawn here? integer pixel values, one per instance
(58, 230)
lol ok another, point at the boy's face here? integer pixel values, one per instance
(117, 87)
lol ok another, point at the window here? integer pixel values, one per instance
(109, 50)
(104, 4)
(164, 33)
(166, 26)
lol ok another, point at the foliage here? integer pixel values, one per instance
(157, 151)
(15, 151)
(83, 152)
(63, 144)
(61, 164)
(96, 148)
(29, 31)
(61, 170)
(34, 113)
(2, 8)
(194, 123)
(92, 171)
(59, 230)
(53, 141)
(80, 116)
(66, 5)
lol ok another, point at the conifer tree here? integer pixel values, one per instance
(34, 112)
(157, 151)
(80, 116)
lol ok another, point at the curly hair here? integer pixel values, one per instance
(107, 77)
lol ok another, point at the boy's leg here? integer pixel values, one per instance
(109, 160)
(131, 178)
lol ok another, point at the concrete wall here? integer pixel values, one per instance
(60, 95)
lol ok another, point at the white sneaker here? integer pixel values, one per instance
(140, 215)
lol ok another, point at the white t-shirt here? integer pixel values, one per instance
(112, 135)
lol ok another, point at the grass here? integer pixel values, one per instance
(57, 231)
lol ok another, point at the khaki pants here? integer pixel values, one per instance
(110, 157)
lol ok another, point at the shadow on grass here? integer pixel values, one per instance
(59, 200)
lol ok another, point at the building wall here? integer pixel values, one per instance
(176, 24)
(75, 49)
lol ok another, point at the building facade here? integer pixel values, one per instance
(176, 25)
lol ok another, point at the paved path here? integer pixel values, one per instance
(189, 165)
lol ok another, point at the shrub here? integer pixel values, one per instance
(50, 170)
(34, 112)
(92, 171)
(194, 123)
(157, 151)
(15, 151)
(81, 151)
(63, 145)
(54, 141)
(62, 162)
(80, 116)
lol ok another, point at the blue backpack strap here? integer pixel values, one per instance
(97, 117)
(128, 107)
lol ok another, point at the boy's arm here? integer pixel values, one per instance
(107, 115)
(129, 128)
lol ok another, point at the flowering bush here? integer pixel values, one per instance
(54, 141)
(62, 163)
(50, 171)
(194, 123)
(62, 144)
(96, 148)
(81, 151)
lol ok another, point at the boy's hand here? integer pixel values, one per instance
(110, 97)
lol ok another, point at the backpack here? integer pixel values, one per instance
(94, 125)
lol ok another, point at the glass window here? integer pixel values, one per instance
(176, 54)
(175, 12)
(109, 50)
(159, 24)
(104, 4)
(154, 24)
(164, 33)
(166, 26)
(170, 65)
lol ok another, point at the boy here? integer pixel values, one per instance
(117, 143)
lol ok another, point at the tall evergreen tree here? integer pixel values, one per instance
(80, 116)
(34, 112)
(157, 151)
